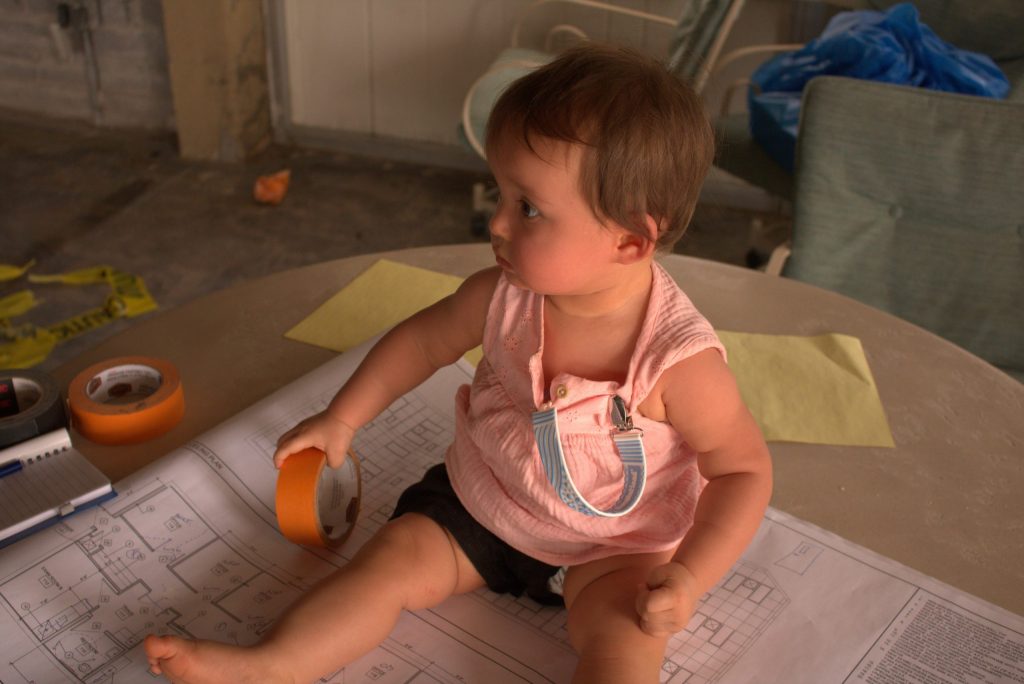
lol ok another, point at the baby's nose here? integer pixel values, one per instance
(498, 224)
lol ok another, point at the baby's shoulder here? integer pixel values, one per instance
(479, 288)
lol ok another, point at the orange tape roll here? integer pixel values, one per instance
(318, 505)
(126, 400)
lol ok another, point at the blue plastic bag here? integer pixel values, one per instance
(891, 46)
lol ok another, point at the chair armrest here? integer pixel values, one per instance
(592, 4)
(741, 53)
(723, 109)
(778, 259)
(569, 29)
(467, 102)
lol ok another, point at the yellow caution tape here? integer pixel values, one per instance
(130, 297)
(17, 304)
(25, 347)
(8, 272)
(86, 276)
(28, 345)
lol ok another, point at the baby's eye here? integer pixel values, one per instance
(529, 211)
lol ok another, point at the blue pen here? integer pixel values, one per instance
(10, 467)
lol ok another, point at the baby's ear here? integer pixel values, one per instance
(633, 247)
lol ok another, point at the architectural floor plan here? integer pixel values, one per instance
(190, 546)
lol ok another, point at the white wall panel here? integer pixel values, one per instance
(464, 37)
(400, 68)
(402, 56)
(327, 45)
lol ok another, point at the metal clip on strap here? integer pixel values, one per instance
(628, 442)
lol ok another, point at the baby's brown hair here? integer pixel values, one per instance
(647, 142)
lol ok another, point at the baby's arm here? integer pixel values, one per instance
(703, 403)
(402, 359)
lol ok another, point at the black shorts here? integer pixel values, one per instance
(503, 568)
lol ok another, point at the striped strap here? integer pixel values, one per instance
(631, 452)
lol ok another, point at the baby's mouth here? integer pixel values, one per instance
(501, 261)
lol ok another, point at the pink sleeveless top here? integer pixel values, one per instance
(494, 465)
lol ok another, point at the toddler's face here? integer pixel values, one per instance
(544, 234)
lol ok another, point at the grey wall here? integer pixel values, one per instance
(44, 69)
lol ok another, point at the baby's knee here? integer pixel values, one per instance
(409, 539)
(413, 555)
(603, 619)
(613, 635)
(614, 649)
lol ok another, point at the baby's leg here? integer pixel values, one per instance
(604, 626)
(411, 563)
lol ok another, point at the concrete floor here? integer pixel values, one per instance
(74, 197)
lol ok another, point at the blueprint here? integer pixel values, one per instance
(190, 546)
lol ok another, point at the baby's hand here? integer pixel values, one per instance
(666, 602)
(330, 435)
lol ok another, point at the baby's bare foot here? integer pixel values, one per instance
(196, 662)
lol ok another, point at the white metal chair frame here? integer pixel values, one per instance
(483, 204)
(742, 53)
(699, 81)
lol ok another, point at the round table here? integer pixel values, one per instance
(947, 501)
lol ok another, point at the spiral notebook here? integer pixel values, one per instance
(43, 480)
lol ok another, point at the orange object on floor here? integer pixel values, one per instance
(272, 188)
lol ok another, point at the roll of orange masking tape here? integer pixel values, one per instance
(126, 400)
(316, 504)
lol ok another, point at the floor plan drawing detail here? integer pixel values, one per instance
(95, 599)
(190, 546)
(727, 621)
(801, 559)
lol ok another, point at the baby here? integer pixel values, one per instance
(603, 431)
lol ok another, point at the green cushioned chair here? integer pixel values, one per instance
(911, 201)
(993, 27)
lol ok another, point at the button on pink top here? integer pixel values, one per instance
(494, 465)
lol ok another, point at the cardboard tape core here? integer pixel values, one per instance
(316, 504)
(124, 384)
(30, 405)
(27, 391)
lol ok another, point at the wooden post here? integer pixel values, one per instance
(218, 67)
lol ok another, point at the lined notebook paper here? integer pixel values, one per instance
(46, 479)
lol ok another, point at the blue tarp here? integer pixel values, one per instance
(891, 46)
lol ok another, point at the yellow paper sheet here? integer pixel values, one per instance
(808, 389)
(800, 389)
(382, 296)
